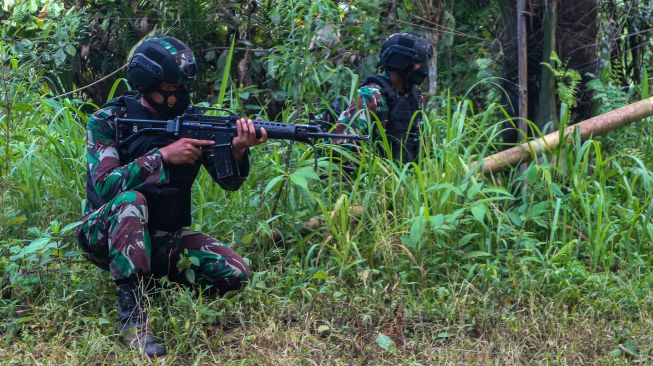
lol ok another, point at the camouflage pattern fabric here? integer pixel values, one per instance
(357, 116)
(115, 238)
(106, 173)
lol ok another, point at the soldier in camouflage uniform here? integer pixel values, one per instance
(139, 195)
(393, 96)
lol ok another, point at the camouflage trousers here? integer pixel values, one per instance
(115, 237)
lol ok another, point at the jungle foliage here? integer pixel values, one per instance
(418, 264)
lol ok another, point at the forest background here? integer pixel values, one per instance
(417, 265)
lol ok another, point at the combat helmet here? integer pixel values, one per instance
(159, 59)
(402, 50)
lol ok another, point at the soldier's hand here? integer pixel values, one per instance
(246, 137)
(184, 151)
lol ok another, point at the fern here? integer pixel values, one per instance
(567, 80)
(607, 96)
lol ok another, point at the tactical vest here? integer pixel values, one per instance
(402, 130)
(169, 204)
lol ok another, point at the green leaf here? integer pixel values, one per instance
(23, 107)
(272, 183)
(190, 275)
(478, 212)
(631, 348)
(183, 263)
(467, 238)
(299, 180)
(531, 174)
(37, 245)
(384, 342)
(70, 227)
(16, 220)
(477, 254)
(307, 172)
(473, 190)
(55, 226)
(70, 49)
(515, 218)
(538, 209)
(615, 353)
(442, 335)
(416, 230)
(59, 57)
(195, 261)
(247, 239)
(320, 275)
(564, 252)
(225, 72)
(436, 222)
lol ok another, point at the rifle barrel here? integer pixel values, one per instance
(326, 135)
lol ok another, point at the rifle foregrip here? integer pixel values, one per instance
(275, 130)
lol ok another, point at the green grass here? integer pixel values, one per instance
(451, 266)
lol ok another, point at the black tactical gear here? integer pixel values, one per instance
(168, 205)
(402, 124)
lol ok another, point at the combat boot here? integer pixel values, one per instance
(133, 327)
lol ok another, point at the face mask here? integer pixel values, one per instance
(174, 102)
(417, 76)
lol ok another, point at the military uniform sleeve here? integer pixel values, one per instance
(108, 176)
(370, 100)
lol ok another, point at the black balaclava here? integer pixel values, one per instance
(410, 77)
(417, 76)
(165, 109)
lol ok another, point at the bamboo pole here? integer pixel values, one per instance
(594, 126)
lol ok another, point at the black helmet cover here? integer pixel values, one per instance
(402, 50)
(159, 59)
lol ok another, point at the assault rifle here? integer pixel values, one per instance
(221, 129)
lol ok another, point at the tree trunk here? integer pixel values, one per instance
(574, 37)
(522, 60)
(546, 111)
(578, 47)
(431, 13)
(433, 64)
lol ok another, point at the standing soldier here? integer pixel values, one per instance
(139, 195)
(393, 95)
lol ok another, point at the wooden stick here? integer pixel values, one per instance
(594, 126)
